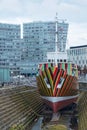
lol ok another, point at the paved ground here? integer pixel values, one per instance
(38, 124)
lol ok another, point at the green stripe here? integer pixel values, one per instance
(43, 67)
(49, 65)
(63, 66)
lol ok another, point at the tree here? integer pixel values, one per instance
(17, 127)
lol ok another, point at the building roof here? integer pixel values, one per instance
(78, 46)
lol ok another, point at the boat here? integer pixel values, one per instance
(57, 79)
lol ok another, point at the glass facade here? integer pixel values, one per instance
(40, 39)
(9, 45)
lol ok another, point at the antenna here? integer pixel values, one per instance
(57, 46)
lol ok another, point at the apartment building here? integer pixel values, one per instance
(9, 46)
(24, 55)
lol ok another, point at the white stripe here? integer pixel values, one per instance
(57, 99)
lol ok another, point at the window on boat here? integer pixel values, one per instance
(49, 60)
(64, 60)
(57, 60)
(60, 60)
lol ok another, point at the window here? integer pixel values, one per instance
(79, 62)
(57, 60)
(60, 60)
(52, 60)
(49, 60)
(64, 60)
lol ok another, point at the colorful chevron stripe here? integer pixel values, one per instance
(57, 80)
(65, 66)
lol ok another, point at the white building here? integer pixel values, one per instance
(57, 57)
(78, 54)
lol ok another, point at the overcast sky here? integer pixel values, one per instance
(74, 11)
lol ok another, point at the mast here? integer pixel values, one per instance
(56, 56)
(56, 39)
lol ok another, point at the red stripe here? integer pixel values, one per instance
(58, 79)
(66, 65)
(46, 66)
(55, 71)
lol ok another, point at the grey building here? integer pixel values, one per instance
(9, 46)
(22, 56)
(8, 32)
(40, 39)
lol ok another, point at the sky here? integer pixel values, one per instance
(72, 11)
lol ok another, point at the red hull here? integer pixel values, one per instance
(60, 104)
(58, 84)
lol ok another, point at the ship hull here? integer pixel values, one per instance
(58, 84)
(57, 103)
